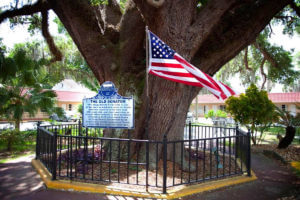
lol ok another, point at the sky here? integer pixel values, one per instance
(19, 34)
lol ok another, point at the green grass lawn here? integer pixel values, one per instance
(14, 155)
(270, 135)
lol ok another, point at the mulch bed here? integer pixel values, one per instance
(119, 173)
(292, 153)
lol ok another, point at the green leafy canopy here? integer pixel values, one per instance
(253, 107)
(22, 81)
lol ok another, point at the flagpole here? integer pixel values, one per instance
(147, 85)
(147, 108)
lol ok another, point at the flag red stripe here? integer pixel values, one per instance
(213, 82)
(181, 60)
(203, 81)
(228, 88)
(170, 65)
(176, 80)
(176, 74)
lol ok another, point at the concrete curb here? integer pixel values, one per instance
(106, 189)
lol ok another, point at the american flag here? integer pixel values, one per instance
(166, 63)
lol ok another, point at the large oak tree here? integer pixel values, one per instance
(112, 41)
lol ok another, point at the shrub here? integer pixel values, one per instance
(9, 138)
(253, 110)
(221, 113)
(212, 114)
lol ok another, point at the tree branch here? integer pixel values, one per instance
(236, 30)
(271, 30)
(295, 7)
(45, 32)
(109, 17)
(263, 73)
(132, 35)
(25, 10)
(266, 54)
(208, 20)
(39, 6)
(285, 17)
(246, 60)
(82, 24)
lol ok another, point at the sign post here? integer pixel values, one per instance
(108, 109)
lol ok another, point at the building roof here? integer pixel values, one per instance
(70, 96)
(70, 85)
(70, 91)
(290, 97)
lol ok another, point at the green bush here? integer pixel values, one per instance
(221, 113)
(13, 139)
(28, 136)
(210, 114)
(9, 137)
(213, 114)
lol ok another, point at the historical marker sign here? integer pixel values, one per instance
(108, 109)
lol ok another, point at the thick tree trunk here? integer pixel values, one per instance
(17, 125)
(114, 47)
(288, 138)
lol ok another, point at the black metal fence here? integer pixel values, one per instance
(205, 153)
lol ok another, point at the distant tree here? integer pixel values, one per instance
(72, 66)
(79, 109)
(294, 86)
(259, 64)
(22, 90)
(252, 109)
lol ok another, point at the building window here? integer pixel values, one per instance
(204, 109)
(215, 107)
(70, 107)
(222, 107)
(283, 107)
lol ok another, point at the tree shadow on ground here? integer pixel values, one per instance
(18, 179)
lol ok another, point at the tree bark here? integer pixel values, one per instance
(114, 48)
(288, 138)
(17, 125)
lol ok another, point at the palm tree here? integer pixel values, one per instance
(289, 121)
(22, 83)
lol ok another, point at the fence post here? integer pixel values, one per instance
(165, 163)
(190, 130)
(79, 132)
(37, 145)
(54, 152)
(147, 163)
(190, 138)
(237, 139)
(249, 153)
